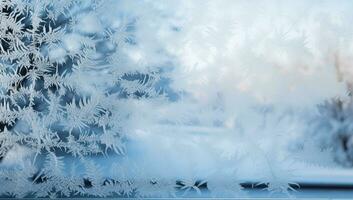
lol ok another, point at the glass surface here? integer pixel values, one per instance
(179, 98)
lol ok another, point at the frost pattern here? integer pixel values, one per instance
(82, 81)
(66, 92)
